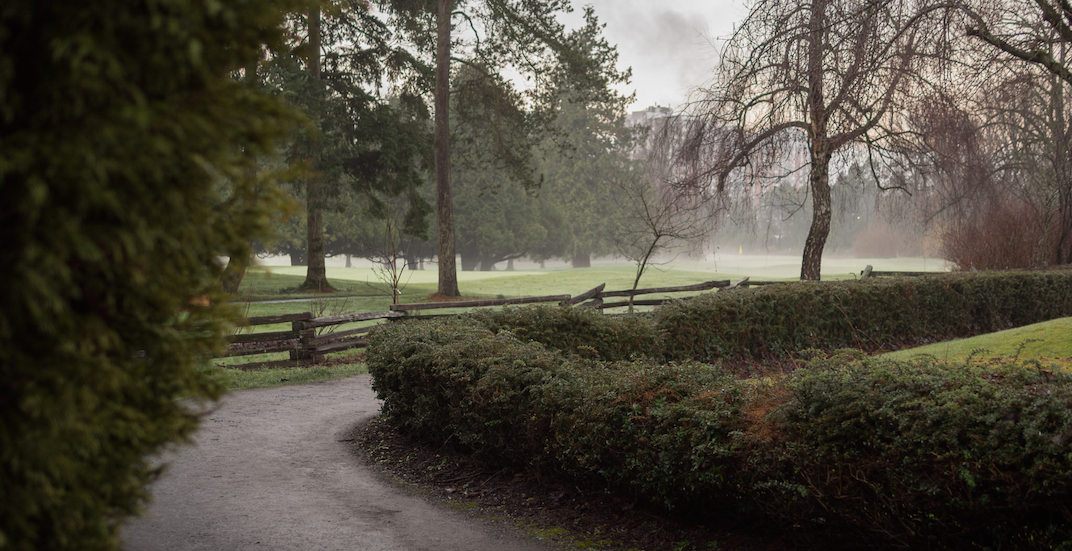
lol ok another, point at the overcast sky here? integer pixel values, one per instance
(670, 44)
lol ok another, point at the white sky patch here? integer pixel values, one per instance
(670, 44)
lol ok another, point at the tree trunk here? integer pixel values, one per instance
(316, 278)
(297, 258)
(819, 181)
(470, 262)
(487, 265)
(448, 272)
(582, 260)
(510, 265)
(349, 262)
(819, 175)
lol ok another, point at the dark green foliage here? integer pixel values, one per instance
(941, 451)
(914, 453)
(121, 131)
(519, 402)
(876, 314)
(580, 331)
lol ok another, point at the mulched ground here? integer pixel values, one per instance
(576, 515)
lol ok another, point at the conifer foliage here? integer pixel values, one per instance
(126, 147)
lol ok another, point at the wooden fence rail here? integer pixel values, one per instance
(310, 338)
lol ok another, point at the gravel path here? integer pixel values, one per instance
(270, 469)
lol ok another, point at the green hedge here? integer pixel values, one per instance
(876, 314)
(951, 452)
(918, 452)
(580, 331)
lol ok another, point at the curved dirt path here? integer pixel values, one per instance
(270, 469)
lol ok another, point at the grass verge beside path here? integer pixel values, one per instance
(1051, 340)
(237, 379)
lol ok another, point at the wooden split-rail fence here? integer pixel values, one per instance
(310, 338)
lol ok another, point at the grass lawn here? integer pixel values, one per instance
(361, 285)
(344, 364)
(1051, 340)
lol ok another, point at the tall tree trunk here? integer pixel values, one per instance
(448, 271)
(582, 260)
(819, 176)
(819, 181)
(316, 278)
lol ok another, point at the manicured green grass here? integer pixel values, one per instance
(276, 283)
(532, 281)
(1051, 340)
(237, 379)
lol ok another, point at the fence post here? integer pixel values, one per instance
(305, 353)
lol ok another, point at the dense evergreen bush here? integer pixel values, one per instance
(924, 449)
(915, 452)
(876, 314)
(581, 331)
(124, 146)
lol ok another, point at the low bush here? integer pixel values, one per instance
(522, 403)
(917, 452)
(581, 331)
(876, 314)
(924, 449)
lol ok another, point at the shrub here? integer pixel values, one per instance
(949, 452)
(519, 402)
(920, 452)
(578, 330)
(121, 127)
(1001, 234)
(883, 313)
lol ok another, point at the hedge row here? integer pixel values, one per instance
(580, 331)
(916, 451)
(780, 321)
(877, 314)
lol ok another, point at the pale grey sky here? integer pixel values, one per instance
(670, 44)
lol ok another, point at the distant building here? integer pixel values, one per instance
(647, 116)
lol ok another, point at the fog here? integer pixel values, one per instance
(671, 46)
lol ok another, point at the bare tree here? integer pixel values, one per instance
(659, 217)
(803, 82)
(389, 260)
(1037, 33)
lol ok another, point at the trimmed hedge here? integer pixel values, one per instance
(924, 449)
(915, 451)
(580, 331)
(522, 403)
(876, 314)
